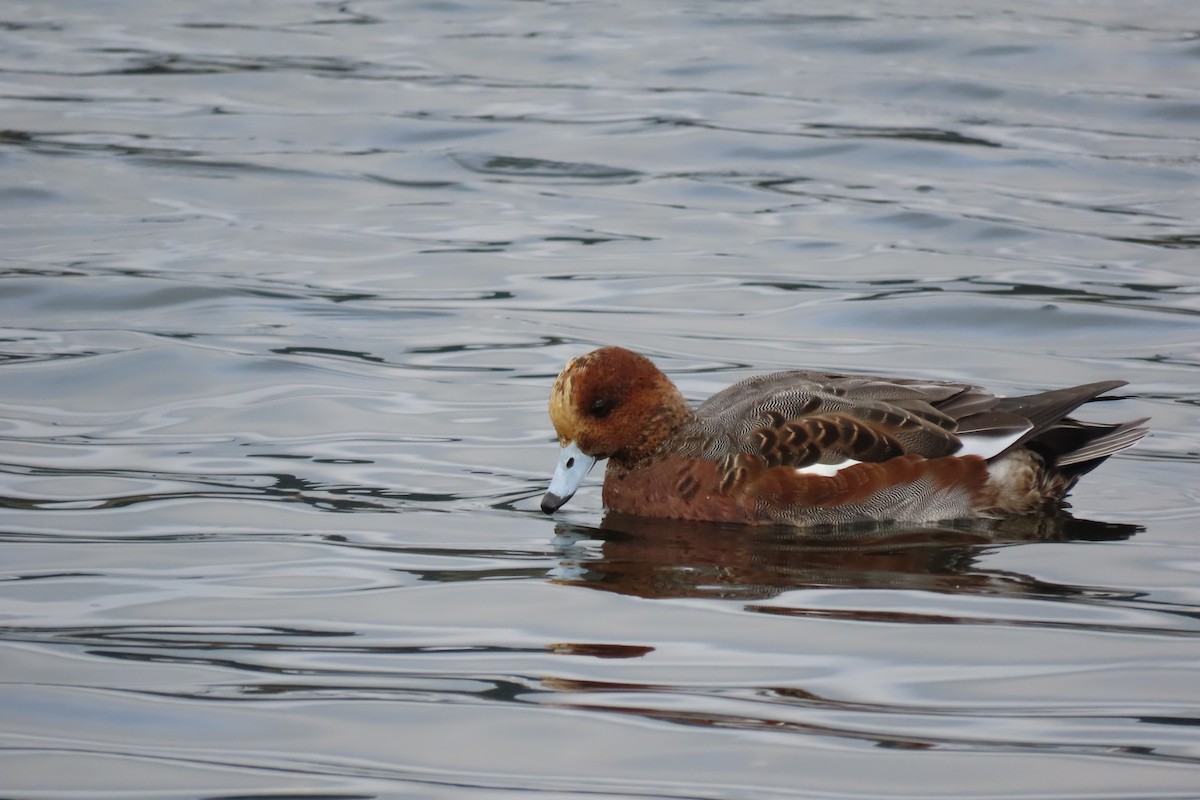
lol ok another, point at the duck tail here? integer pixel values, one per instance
(1071, 448)
(1074, 448)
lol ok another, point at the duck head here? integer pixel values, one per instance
(611, 403)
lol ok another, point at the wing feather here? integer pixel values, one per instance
(818, 422)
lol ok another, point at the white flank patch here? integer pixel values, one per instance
(975, 444)
(1001, 472)
(826, 470)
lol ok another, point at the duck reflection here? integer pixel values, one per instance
(671, 559)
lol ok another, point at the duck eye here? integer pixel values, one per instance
(601, 407)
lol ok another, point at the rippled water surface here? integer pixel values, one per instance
(284, 287)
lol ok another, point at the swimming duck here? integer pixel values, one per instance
(810, 448)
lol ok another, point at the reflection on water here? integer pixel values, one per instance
(283, 291)
(666, 558)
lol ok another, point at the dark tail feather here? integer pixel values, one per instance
(1071, 448)
(1046, 409)
(1092, 443)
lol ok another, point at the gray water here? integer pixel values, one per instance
(285, 285)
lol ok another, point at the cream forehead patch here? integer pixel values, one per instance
(561, 413)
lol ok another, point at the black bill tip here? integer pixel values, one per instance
(552, 502)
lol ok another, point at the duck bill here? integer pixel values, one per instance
(573, 467)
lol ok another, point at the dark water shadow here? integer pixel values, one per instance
(671, 559)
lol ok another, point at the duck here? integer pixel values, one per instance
(805, 448)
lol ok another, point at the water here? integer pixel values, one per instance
(284, 289)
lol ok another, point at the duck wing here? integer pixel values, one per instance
(820, 422)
